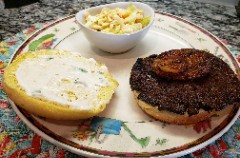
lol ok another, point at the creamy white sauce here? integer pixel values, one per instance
(69, 81)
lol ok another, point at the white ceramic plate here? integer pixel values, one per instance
(123, 130)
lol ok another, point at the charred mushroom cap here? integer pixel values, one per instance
(182, 65)
(186, 80)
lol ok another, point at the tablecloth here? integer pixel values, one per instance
(17, 140)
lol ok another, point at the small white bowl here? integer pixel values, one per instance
(114, 43)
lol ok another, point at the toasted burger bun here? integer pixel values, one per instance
(45, 107)
(170, 117)
(184, 86)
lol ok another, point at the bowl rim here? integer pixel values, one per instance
(152, 12)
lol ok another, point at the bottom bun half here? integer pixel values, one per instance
(170, 117)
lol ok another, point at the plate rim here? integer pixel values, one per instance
(87, 153)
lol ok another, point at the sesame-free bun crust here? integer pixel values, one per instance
(170, 117)
(47, 108)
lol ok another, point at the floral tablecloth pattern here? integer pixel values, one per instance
(17, 140)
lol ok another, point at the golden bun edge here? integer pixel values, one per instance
(170, 117)
(46, 108)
